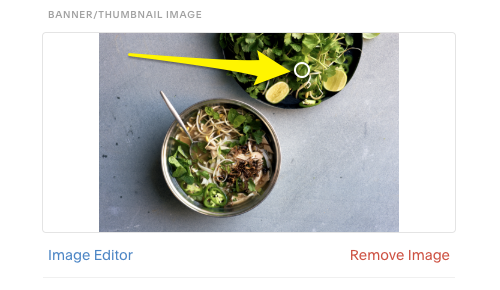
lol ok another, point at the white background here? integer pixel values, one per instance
(322, 256)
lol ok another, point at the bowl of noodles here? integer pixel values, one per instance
(234, 165)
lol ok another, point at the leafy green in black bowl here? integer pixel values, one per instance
(325, 53)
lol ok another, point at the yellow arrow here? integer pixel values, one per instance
(264, 68)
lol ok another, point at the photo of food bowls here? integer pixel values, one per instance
(187, 144)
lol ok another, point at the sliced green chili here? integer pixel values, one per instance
(311, 105)
(214, 196)
(207, 189)
(218, 196)
(209, 203)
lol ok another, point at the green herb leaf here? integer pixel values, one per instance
(348, 39)
(246, 128)
(174, 161)
(269, 53)
(204, 174)
(251, 185)
(309, 43)
(209, 111)
(226, 166)
(293, 84)
(289, 65)
(254, 46)
(297, 35)
(185, 162)
(212, 113)
(236, 49)
(330, 72)
(255, 124)
(231, 115)
(252, 91)
(222, 40)
(260, 42)
(245, 47)
(257, 135)
(250, 38)
(254, 55)
(179, 149)
(296, 46)
(238, 121)
(277, 51)
(300, 58)
(178, 142)
(189, 179)
(231, 144)
(329, 43)
(340, 59)
(243, 139)
(242, 78)
(302, 70)
(288, 38)
(265, 39)
(180, 171)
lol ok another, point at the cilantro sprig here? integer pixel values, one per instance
(252, 128)
(212, 113)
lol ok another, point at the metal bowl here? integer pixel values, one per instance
(168, 145)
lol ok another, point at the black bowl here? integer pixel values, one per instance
(290, 102)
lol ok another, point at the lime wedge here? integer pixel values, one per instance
(337, 82)
(277, 92)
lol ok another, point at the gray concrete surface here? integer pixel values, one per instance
(340, 162)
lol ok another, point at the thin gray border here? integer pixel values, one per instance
(248, 277)
(267, 232)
